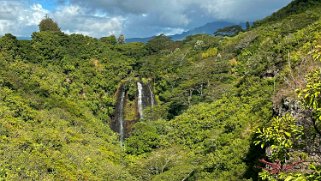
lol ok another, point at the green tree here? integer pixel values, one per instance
(229, 31)
(280, 136)
(248, 26)
(49, 45)
(312, 100)
(9, 45)
(143, 139)
(121, 39)
(109, 40)
(48, 24)
(159, 43)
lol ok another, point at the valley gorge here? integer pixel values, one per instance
(241, 105)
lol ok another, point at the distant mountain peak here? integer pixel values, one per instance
(208, 28)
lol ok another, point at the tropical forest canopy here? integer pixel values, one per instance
(241, 105)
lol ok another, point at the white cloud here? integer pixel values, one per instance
(181, 14)
(135, 18)
(17, 19)
(33, 16)
(74, 19)
(5, 26)
(172, 31)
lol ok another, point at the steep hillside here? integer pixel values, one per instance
(244, 82)
(205, 108)
(56, 94)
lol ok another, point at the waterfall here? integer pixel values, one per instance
(121, 115)
(140, 99)
(122, 123)
(152, 101)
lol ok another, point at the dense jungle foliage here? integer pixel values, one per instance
(243, 107)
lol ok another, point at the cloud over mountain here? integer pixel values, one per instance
(135, 18)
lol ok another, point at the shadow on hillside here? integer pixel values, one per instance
(251, 160)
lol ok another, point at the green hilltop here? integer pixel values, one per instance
(227, 107)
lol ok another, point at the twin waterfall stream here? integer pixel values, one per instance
(144, 98)
(140, 99)
(121, 114)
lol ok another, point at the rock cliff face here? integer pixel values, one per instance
(312, 136)
(118, 124)
(289, 106)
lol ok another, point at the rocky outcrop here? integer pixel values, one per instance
(311, 139)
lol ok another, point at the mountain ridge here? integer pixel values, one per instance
(208, 28)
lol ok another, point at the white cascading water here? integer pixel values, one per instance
(121, 117)
(140, 99)
(152, 101)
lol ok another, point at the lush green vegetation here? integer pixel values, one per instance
(222, 104)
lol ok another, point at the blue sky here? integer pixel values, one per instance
(134, 18)
(46, 4)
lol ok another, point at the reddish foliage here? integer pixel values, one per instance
(276, 167)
